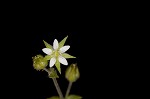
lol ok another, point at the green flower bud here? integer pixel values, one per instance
(72, 73)
(39, 62)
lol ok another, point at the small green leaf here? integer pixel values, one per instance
(47, 45)
(53, 73)
(47, 57)
(57, 64)
(54, 97)
(65, 55)
(61, 44)
(74, 97)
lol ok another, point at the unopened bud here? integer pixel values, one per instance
(39, 62)
(72, 73)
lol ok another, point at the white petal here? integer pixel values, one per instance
(52, 62)
(62, 60)
(64, 49)
(47, 51)
(55, 44)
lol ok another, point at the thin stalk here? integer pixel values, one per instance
(68, 89)
(56, 85)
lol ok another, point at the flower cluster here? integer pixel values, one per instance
(55, 56)
(57, 53)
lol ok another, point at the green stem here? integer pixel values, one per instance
(56, 85)
(68, 89)
(58, 88)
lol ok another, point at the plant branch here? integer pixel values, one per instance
(56, 85)
(68, 89)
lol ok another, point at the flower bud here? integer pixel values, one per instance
(39, 62)
(72, 73)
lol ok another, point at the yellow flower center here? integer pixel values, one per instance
(55, 54)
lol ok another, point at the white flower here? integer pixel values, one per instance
(57, 53)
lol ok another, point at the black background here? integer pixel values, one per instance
(99, 45)
(105, 38)
(93, 63)
(98, 58)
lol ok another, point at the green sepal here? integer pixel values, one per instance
(65, 55)
(61, 44)
(57, 64)
(47, 57)
(53, 73)
(48, 45)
